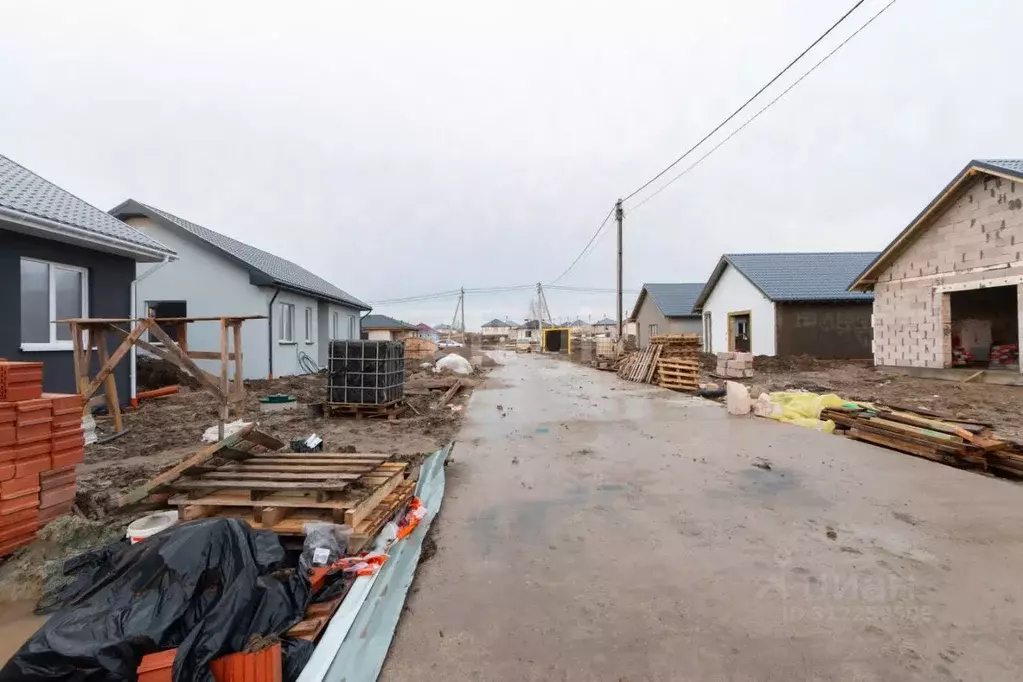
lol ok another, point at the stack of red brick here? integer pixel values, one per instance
(41, 441)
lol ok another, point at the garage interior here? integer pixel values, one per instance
(556, 340)
(985, 328)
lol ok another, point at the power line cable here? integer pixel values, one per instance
(583, 252)
(765, 108)
(735, 113)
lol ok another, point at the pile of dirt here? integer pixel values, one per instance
(156, 373)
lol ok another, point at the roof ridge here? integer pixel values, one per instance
(799, 253)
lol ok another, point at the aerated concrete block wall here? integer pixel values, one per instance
(978, 239)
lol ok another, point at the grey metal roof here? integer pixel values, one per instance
(578, 323)
(603, 323)
(1013, 166)
(377, 321)
(672, 299)
(497, 323)
(280, 270)
(32, 196)
(797, 276)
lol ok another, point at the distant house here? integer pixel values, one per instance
(528, 332)
(948, 290)
(383, 328)
(665, 309)
(787, 304)
(61, 257)
(425, 331)
(217, 275)
(578, 326)
(445, 329)
(606, 327)
(497, 327)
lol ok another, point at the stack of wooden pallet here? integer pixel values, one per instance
(678, 365)
(958, 443)
(640, 365)
(245, 476)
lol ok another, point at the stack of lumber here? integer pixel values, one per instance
(640, 365)
(678, 365)
(954, 442)
(246, 476)
(41, 441)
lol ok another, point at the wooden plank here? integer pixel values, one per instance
(276, 486)
(225, 499)
(109, 362)
(356, 515)
(239, 375)
(449, 394)
(272, 515)
(265, 439)
(207, 355)
(198, 459)
(299, 468)
(273, 461)
(917, 431)
(901, 445)
(354, 456)
(106, 376)
(312, 476)
(916, 420)
(972, 377)
(178, 357)
(196, 511)
(366, 531)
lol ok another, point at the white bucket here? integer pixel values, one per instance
(151, 524)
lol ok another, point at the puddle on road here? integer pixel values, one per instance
(768, 485)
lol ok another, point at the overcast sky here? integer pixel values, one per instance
(398, 149)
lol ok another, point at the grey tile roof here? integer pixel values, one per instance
(798, 276)
(1012, 166)
(23, 191)
(606, 321)
(377, 321)
(497, 323)
(673, 300)
(280, 270)
(578, 323)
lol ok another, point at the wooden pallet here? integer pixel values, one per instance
(268, 488)
(387, 411)
(317, 616)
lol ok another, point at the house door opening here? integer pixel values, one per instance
(985, 328)
(160, 309)
(739, 335)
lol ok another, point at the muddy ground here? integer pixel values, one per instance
(1000, 406)
(164, 431)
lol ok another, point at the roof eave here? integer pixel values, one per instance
(31, 225)
(868, 278)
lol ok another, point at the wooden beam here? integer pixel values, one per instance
(207, 355)
(106, 375)
(239, 376)
(356, 515)
(186, 362)
(78, 359)
(198, 459)
(109, 362)
(270, 486)
(225, 382)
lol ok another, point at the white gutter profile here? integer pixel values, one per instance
(62, 231)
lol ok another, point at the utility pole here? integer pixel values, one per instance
(619, 214)
(464, 338)
(539, 312)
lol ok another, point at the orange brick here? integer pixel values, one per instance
(50, 513)
(8, 454)
(8, 434)
(7, 471)
(65, 439)
(20, 486)
(67, 419)
(10, 532)
(11, 546)
(34, 430)
(55, 478)
(66, 458)
(33, 449)
(25, 516)
(50, 498)
(27, 501)
(29, 410)
(32, 467)
(8, 413)
(64, 401)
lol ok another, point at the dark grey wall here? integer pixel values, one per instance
(110, 280)
(824, 330)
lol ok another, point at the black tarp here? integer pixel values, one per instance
(205, 587)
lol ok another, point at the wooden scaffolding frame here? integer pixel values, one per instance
(90, 333)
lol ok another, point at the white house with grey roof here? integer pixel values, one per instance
(787, 304)
(61, 257)
(217, 275)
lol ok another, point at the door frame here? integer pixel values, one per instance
(731, 328)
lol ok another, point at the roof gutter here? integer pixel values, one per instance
(270, 334)
(58, 230)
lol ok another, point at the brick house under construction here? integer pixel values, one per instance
(948, 291)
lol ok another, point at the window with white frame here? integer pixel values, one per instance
(51, 291)
(308, 325)
(335, 325)
(353, 327)
(287, 332)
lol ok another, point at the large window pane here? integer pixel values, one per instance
(35, 302)
(68, 286)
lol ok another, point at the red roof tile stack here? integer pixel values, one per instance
(41, 441)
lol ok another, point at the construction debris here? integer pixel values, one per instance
(670, 361)
(735, 365)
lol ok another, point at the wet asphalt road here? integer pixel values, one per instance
(596, 529)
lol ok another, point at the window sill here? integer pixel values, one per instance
(46, 347)
(287, 343)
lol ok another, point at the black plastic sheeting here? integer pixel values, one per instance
(205, 587)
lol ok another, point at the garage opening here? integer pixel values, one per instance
(985, 328)
(556, 340)
(168, 309)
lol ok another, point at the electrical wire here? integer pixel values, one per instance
(765, 108)
(735, 113)
(583, 252)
